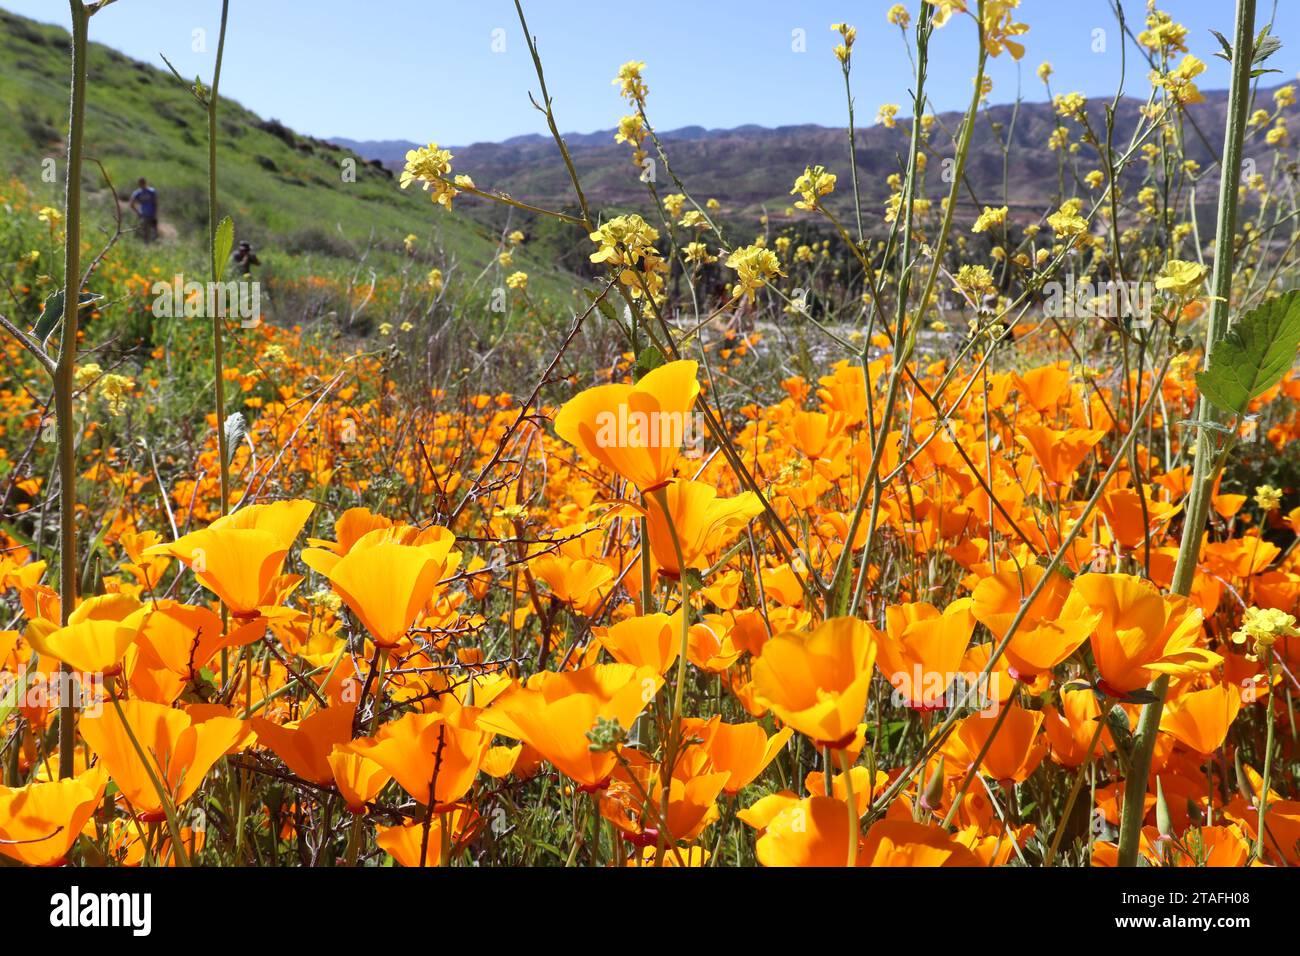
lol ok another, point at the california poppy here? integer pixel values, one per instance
(635, 430)
(1140, 633)
(239, 556)
(384, 581)
(40, 822)
(1053, 626)
(921, 649)
(96, 636)
(554, 712)
(818, 681)
(180, 747)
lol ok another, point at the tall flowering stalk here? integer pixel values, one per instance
(1209, 459)
(65, 370)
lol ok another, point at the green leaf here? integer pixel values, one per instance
(221, 246)
(1227, 47)
(50, 318)
(603, 304)
(1265, 46)
(1253, 355)
(649, 360)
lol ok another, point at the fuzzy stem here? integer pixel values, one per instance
(1206, 468)
(65, 371)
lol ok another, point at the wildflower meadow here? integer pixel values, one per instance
(916, 514)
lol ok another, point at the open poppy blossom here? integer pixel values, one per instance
(412, 747)
(238, 557)
(97, 634)
(358, 778)
(305, 745)
(649, 640)
(554, 712)
(741, 751)
(384, 580)
(40, 822)
(1140, 633)
(180, 746)
(701, 521)
(818, 681)
(636, 430)
(921, 650)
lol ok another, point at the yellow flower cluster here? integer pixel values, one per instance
(1178, 81)
(848, 34)
(1268, 497)
(627, 242)
(1066, 222)
(1181, 277)
(989, 218)
(430, 166)
(1261, 627)
(1163, 34)
(975, 281)
(115, 389)
(630, 83)
(812, 185)
(755, 267)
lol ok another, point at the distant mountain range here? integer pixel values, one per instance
(753, 167)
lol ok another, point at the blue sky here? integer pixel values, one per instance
(427, 69)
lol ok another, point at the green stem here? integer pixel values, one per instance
(1074, 792)
(675, 723)
(1262, 799)
(1206, 468)
(218, 344)
(169, 809)
(853, 807)
(65, 371)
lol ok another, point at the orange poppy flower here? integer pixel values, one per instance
(742, 751)
(1200, 719)
(576, 581)
(304, 745)
(40, 822)
(554, 712)
(650, 640)
(1059, 454)
(1071, 728)
(634, 430)
(96, 637)
(182, 746)
(813, 831)
(703, 522)
(818, 682)
(1016, 752)
(1140, 633)
(412, 747)
(906, 843)
(403, 843)
(358, 778)
(183, 638)
(239, 556)
(385, 582)
(921, 649)
(1057, 622)
(632, 800)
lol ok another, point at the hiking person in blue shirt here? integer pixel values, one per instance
(144, 203)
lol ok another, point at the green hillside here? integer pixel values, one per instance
(286, 192)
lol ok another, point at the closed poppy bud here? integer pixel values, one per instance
(932, 798)
(1243, 782)
(1163, 824)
